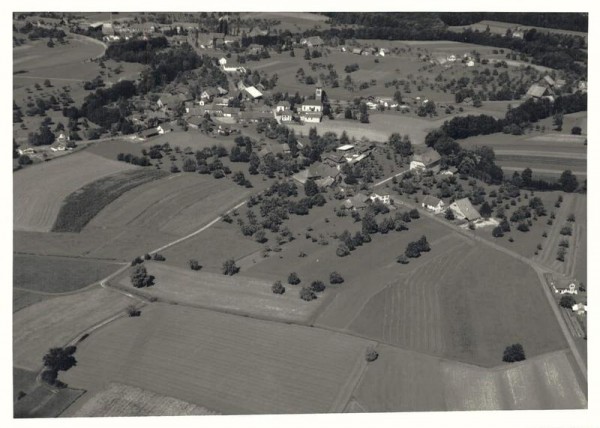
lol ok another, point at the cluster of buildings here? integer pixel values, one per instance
(545, 88)
(358, 50)
(310, 111)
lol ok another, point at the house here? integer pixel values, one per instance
(231, 111)
(579, 308)
(284, 115)
(310, 117)
(404, 108)
(58, 147)
(254, 49)
(148, 133)
(345, 148)
(325, 182)
(429, 160)
(571, 289)
(450, 171)
(27, 151)
(356, 202)
(311, 106)
(312, 42)
(253, 93)
(163, 129)
(582, 86)
(194, 121)
(170, 102)
(548, 80)
(432, 203)
(537, 91)
(281, 106)
(208, 94)
(254, 116)
(384, 51)
(357, 51)
(470, 63)
(464, 209)
(333, 159)
(381, 198)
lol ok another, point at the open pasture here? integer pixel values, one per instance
(467, 305)
(40, 190)
(177, 205)
(57, 274)
(42, 402)
(192, 138)
(402, 380)
(497, 27)
(292, 21)
(230, 364)
(56, 321)
(120, 400)
(239, 294)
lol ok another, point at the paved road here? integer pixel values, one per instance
(539, 269)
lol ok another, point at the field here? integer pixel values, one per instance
(56, 321)
(177, 205)
(406, 381)
(238, 294)
(123, 400)
(45, 403)
(46, 274)
(225, 363)
(40, 190)
(467, 305)
(497, 27)
(82, 205)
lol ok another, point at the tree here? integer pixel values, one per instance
(47, 83)
(371, 355)
(278, 288)
(567, 301)
(230, 268)
(189, 165)
(293, 278)
(497, 232)
(513, 353)
(307, 294)
(402, 259)
(307, 54)
(60, 358)
(576, 130)
(449, 215)
(568, 181)
(557, 121)
(140, 278)
(485, 210)
(132, 311)
(310, 187)
(317, 286)
(335, 278)
(194, 265)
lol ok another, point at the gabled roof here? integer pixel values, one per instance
(253, 92)
(285, 104)
(312, 103)
(536, 90)
(314, 40)
(322, 170)
(211, 91)
(466, 208)
(549, 80)
(427, 158)
(431, 201)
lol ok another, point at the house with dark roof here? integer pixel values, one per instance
(463, 209)
(428, 160)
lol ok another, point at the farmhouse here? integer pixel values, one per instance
(282, 106)
(463, 209)
(356, 202)
(148, 133)
(537, 91)
(381, 198)
(571, 289)
(285, 115)
(231, 111)
(312, 42)
(345, 148)
(432, 203)
(252, 92)
(208, 94)
(194, 121)
(429, 160)
(357, 51)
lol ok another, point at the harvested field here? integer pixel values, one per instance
(56, 321)
(82, 205)
(123, 400)
(238, 294)
(230, 364)
(406, 381)
(23, 381)
(57, 274)
(21, 299)
(111, 149)
(40, 190)
(178, 204)
(451, 307)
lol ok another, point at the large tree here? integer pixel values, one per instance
(568, 181)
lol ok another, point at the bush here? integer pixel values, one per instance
(307, 294)
(563, 243)
(317, 286)
(414, 213)
(335, 278)
(449, 215)
(194, 265)
(402, 259)
(560, 255)
(137, 261)
(278, 288)
(293, 278)
(230, 268)
(576, 130)
(567, 301)
(523, 227)
(132, 311)
(371, 355)
(342, 250)
(49, 376)
(513, 353)
(566, 230)
(159, 257)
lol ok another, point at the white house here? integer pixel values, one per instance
(345, 148)
(381, 198)
(571, 289)
(429, 160)
(282, 106)
(579, 308)
(470, 63)
(432, 203)
(463, 209)
(285, 115)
